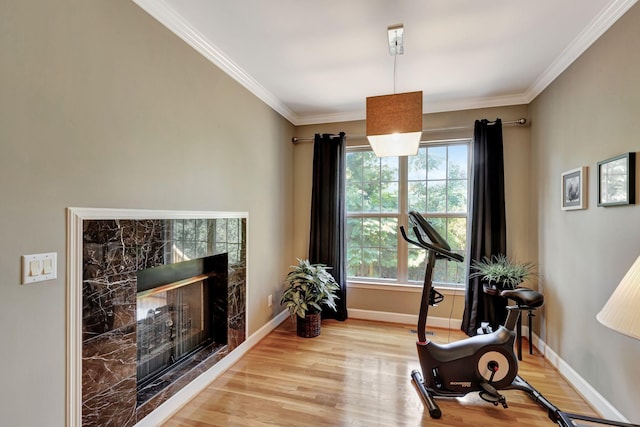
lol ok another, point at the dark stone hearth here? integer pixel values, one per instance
(167, 385)
(114, 251)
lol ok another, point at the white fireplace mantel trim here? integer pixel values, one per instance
(75, 218)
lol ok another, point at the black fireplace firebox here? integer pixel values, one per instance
(181, 315)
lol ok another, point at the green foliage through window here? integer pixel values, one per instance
(436, 185)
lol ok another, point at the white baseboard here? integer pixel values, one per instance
(582, 387)
(407, 319)
(163, 412)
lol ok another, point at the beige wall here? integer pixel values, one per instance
(101, 106)
(516, 151)
(590, 113)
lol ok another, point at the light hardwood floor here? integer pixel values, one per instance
(357, 373)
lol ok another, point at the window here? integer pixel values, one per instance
(379, 194)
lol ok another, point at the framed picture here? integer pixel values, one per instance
(617, 180)
(574, 189)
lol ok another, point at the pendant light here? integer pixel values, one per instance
(394, 122)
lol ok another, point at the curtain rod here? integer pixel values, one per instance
(520, 122)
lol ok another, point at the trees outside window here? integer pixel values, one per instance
(379, 194)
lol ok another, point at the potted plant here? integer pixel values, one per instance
(308, 288)
(500, 272)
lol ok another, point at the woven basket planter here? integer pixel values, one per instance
(308, 327)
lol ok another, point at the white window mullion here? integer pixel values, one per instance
(403, 194)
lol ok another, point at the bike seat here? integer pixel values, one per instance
(524, 297)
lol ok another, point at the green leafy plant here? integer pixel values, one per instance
(502, 271)
(308, 288)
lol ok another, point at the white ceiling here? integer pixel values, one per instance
(317, 61)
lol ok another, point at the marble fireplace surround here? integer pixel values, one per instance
(77, 332)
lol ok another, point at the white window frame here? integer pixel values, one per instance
(403, 283)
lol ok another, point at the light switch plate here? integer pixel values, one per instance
(39, 267)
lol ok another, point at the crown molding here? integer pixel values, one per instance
(428, 107)
(168, 17)
(578, 46)
(475, 103)
(347, 116)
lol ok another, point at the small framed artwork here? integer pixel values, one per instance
(574, 189)
(617, 180)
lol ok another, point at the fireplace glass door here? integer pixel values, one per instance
(170, 326)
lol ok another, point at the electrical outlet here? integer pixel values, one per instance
(269, 300)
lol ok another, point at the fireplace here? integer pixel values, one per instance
(181, 315)
(156, 299)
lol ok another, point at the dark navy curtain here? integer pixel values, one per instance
(488, 223)
(328, 214)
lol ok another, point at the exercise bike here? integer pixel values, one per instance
(482, 363)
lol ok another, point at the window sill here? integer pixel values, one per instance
(402, 287)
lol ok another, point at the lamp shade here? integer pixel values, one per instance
(394, 123)
(622, 312)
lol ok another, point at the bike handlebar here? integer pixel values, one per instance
(430, 246)
(437, 243)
